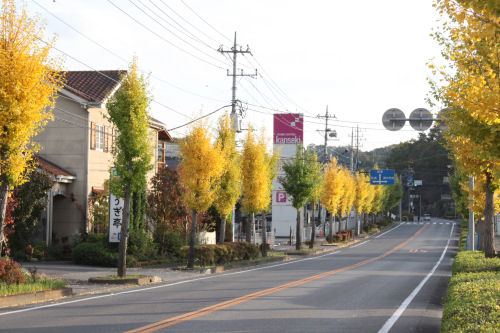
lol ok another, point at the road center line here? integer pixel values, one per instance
(395, 316)
(232, 302)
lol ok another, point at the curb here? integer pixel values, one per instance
(35, 297)
(141, 280)
(223, 268)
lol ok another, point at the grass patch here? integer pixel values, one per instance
(39, 285)
(472, 303)
(303, 251)
(474, 261)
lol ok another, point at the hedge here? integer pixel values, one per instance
(222, 254)
(472, 303)
(474, 261)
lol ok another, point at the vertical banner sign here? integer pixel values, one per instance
(288, 128)
(115, 218)
(287, 134)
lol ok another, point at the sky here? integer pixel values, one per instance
(359, 58)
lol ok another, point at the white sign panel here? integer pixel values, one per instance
(115, 218)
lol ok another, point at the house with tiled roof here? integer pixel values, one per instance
(79, 141)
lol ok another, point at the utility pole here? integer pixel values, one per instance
(471, 246)
(328, 133)
(234, 50)
(351, 162)
(357, 149)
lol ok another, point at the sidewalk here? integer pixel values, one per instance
(77, 276)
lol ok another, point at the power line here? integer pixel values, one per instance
(107, 76)
(182, 18)
(162, 38)
(194, 120)
(201, 18)
(170, 31)
(123, 59)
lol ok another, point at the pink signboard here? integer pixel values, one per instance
(288, 128)
(280, 196)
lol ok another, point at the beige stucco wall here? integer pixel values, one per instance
(63, 142)
(100, 162)
(153, 140)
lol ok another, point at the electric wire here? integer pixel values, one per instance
(192, 25)
(124, 60)
(162, 38)
(170, 31)
(201, 18)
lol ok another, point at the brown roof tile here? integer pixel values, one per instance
(93, 86)
(51, 167)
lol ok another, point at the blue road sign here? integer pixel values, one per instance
(382, 177)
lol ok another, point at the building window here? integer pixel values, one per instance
(161, 152)
(99, 137)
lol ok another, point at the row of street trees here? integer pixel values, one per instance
(469, 86)
(339, 190)
(214, 172)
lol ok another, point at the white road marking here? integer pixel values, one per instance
(388, 231)
(395, 316)
(359, 244)
(174, 283)
(164, 285)
(440, 222)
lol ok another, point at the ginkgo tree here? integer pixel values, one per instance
(362, 193)
(469, 88)
(299, 182)
(317, 188)
(333, 190)
(128, 110)
(255, 178)
(29, 81)
(229, 183)
(202, 163)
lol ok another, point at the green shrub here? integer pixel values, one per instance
(55, 252)
(10, 272)
(474, 261)
(472, 303)
(94, 254)
(141, 245)
(173, 243)
(221, 254)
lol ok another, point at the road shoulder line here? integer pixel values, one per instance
(395, 316)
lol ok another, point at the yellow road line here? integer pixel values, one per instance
(232, 302)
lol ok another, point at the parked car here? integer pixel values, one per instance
(427, 217)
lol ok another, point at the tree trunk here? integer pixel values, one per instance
(330, 232)
(4, 194)
(264, 234)
(253, 229)
(192, 240)
(248, 229)
(313, 230)
(488, 237)
(122, 253)
(298, 234)
(222, 231)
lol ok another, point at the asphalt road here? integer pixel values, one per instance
(392, 282)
